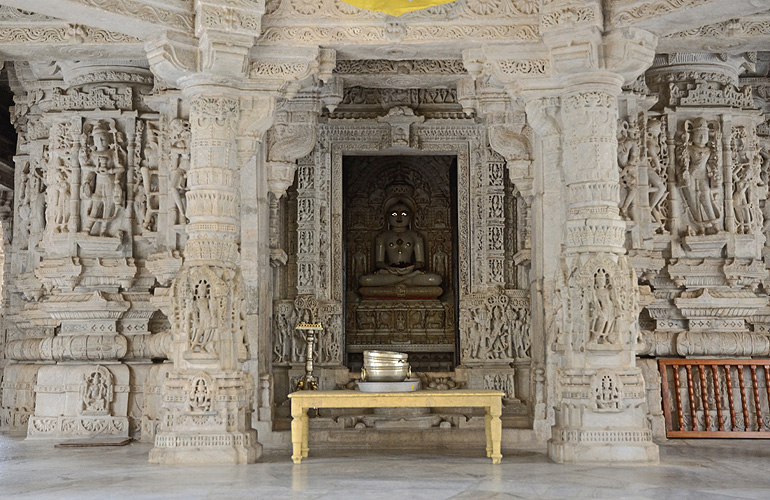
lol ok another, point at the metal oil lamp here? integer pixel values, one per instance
(310, 332)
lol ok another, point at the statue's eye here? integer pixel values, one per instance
(404, 214)
(394, 214)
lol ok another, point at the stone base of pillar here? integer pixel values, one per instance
(81, 401)
(602, 418)
(582, 446)
(206, 420)
(206, 448)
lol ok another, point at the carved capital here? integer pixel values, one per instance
(543, 115)
(225, 53)
(280, 175)
(257, 115)
(287, 141)
(509, 141)
(629, 52)
(283, 74)
(171, 56)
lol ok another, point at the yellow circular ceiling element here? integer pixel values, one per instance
(396, 7)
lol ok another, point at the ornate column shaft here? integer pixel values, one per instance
(207, 399)
(571, 99)
(600, 414)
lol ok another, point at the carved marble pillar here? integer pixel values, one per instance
(571, 98)
(600, 414)
(208, 399)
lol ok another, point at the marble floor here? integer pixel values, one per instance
(689, 469)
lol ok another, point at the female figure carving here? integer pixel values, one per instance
(700, 175)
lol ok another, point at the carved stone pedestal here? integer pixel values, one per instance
(602, 421)
(81, 401)
(400, 321)
(206, 420)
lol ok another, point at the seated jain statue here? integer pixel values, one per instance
(399, 256)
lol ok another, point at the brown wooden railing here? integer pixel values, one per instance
(716, 398)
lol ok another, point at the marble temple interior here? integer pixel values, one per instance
(562, 200)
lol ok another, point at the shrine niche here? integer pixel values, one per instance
(400, 258)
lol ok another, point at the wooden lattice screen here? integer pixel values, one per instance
(716, 398)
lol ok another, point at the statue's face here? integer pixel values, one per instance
(399, 216)
(701, 136)
(100, 141)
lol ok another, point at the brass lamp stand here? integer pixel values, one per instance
(310, 332)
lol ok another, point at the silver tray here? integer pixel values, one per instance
(405, 386)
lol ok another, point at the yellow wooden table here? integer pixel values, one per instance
(301, 401)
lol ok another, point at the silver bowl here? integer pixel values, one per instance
(385, 366)
(384, 356)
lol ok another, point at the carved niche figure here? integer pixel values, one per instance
(199, 395)
(606, 392)
(283, 331)
(96, 392)
(399, 256)
(628, 161)
(479, 341)
(657, 157)
(62, 163)
(748, 187)
(205, 303)
(145, 177)
(103, 161)
(201, 314)
(601, 309)
(700, 175)
(518, 321)
(179, 140)
(32, 203)
(500, 334)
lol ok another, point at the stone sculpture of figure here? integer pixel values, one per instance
(36, 200)
(179, 131)
(601, 309)
(102, 188)
(204, 325)
(700, 177)
(60, 198)
(628, 161)
(144, 190)
(479, 341)
(284, 330)
(500, 334)
(748, 186)
(440, 259)
(399, 257)
(95, 393)
(654, 144)
(199, 398)
(24, 209)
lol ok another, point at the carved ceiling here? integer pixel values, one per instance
(29, 36)
(118, 28)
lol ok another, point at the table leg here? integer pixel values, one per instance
(297, 431)
(496, 426)
(488, 431)
(305, 434)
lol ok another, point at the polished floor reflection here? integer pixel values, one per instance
(703, 470)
